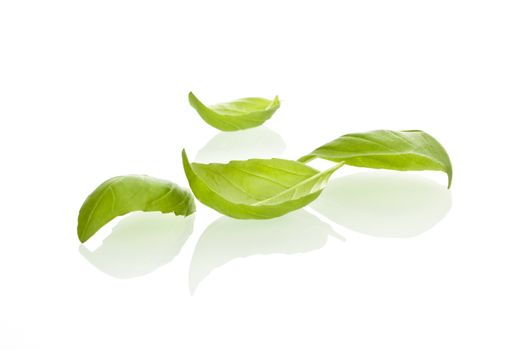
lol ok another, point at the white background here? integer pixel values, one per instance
(95, 89)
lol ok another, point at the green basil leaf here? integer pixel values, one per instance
(240, 114)
(124, 194)
(385, 149)
(255, 188)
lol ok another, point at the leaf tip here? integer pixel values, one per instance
(449, 174)
(81, 235)
(193, 100)
(306, 159)
(82, 225)
(276, 102)
(185, 162)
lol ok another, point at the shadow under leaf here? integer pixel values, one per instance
(259, 142)
(226, 239)
(384, 204)
(140, 243)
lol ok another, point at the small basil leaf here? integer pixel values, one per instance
(385, 149)
(240, 114)
(255, 188)
(124, 194)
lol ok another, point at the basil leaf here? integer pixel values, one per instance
(240, 114)
(385, 149)
(255, 188)
(124, 194)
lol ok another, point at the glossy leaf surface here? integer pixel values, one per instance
(255, 188)
(240, 114)
(385, 149)
(124, 194)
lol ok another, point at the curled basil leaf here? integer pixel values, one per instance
(256, 188)
(385, 149)
(240, 114)
(124, 194)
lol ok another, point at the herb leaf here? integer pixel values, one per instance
(385, 149)
(240, 114)
(124, 194)
(256, 188)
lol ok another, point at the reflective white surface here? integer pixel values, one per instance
(260, 142)
(140, 243)
(226, 239)
(382, 260)
(384, 204)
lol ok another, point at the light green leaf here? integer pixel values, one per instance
(240, 114)
(256, 188)
(124, 194)
(385, 149)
